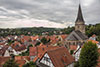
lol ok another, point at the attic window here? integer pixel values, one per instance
(47, 59)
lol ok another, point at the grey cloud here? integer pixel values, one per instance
(59, 11)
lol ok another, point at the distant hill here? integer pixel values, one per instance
(90, 30)
(29, 31)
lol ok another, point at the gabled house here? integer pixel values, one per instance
(8, 50)
(4, 52)
(62, 37)
(37, 52)
(56, 58)
(18, 48)
(93, 37)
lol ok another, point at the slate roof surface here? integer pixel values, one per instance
(81, 35)
(79, 16)
(77, 35)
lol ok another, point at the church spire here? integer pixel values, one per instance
(79, 16)
(80, 24)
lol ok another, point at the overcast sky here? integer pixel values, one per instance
(46, 13)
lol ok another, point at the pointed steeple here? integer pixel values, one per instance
(79, 23)
(79, 16)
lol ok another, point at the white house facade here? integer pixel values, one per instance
(46, 60)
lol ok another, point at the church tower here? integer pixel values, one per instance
(79, 23)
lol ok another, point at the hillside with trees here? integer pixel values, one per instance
(29, 31)
(90, 30)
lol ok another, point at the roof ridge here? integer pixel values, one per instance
(55, 49)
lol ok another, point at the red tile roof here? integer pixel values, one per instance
(35, 37)
(93, 41)
(60, 57)
(3, 60)
(64, 36)
(17, 46)
(93, 35)
(42, 49)
(2, 43)
(32, 51)
(21, 48)
(22, 57)
(73, 47)
(25, 38)
(21, 60)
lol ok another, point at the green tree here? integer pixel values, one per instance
(98, 38)
(44, 40)
(10, 42)
(89, 55)
(71, 52)
(10, 63)
(76, 64)
(30, 64)
(38, 43)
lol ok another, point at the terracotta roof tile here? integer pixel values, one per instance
(17, 46)
(42, 49)
(73, 47)
(93, 35)
(93, 41)
(60, 57)
(3, 60)
(22, 57)
(21, 60)
(35, 37)
(32, 51)
(2, 43)
(64, 36)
